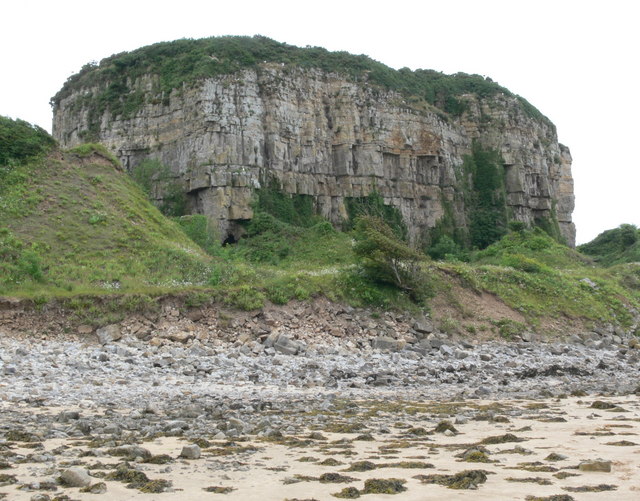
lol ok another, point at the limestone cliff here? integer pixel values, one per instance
(321, 133)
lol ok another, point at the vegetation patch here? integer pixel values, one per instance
(532, 480)
(467, 479)
(592, 488)
(217, 489)
(383, 486)
(501, 439)
(348, 493)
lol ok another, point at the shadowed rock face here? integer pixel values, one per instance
(322, 135)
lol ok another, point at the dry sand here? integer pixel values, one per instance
(261, 472)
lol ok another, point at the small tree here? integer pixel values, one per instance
(387, 259)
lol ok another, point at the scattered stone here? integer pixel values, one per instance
(109, 334)
(595, 465)
(97, 488)
(190, 452)
(75, 477)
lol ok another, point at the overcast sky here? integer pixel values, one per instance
(576, 61)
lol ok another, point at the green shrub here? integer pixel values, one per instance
(161, 186)
(293, 209)
(523, 263)
(88, 149)
(199, 229)
(508, 328)
(373, 206)
(619, 245)
(386, 259)
(20, 141)
(18, 262)
(359, 290)
(446, 248)
(245, 298)
(486, 203)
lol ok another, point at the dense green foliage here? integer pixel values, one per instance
(486, 201)
(185, 61)
(296, 210)
(199, 229)
(619, 245)
(21, 141)
(386, 259)
(373, 205)
(18, 262)
(161, 186)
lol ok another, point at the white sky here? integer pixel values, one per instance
(576, 61)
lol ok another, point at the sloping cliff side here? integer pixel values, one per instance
(330, 133)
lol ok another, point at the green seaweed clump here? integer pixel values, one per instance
(599, 404)
(555, 497)
(592, 488)
(330, 462)
(443, 426)
(362, 466)
(159, 459)
(383, 486)
(156, 486)
(408, 465)
(347, 493)
(218, 489)
(501, 439)
(7, 479)
(335, 478)
(467, 479)
(133, 478)
(477, 457)
(533, 480)
(20, 436)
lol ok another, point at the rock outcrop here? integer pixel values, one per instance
(328, 136)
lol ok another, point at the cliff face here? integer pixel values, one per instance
(324, 135)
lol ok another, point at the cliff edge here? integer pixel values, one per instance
(232, 115)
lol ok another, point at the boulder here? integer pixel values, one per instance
(191, 451)
(595, 465)
(108, 334)
(384, 343)
(286, 346)
(75, 477)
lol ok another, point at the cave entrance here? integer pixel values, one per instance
(230, 240)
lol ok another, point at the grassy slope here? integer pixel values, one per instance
(92, 228)
(615, 246)
(540, 278)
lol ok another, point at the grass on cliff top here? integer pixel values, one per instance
(186, 61)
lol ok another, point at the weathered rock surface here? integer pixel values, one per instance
(322, 135)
